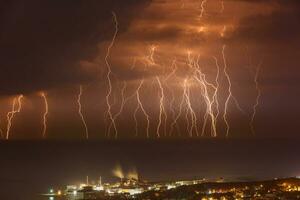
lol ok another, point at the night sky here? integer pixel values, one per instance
(54, 47)
(218, 81)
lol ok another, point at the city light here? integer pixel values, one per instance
(204, 189)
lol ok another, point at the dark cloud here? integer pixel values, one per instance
(280, 26)
(277, 37)
(42, 42)
(286, 2)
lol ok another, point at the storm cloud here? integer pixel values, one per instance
(43, 42)
(280, 26)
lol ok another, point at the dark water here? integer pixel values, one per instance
(28, 168)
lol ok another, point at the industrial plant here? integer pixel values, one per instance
(131, 187)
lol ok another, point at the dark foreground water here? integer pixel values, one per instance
(28, 168)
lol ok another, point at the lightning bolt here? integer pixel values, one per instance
(80, 112)
(135, 116)
(208, 100)
(109, 72)
(216, 90)
(256, 100)
(209, 93)
(150, 57)
(172, 73)
(191, 111)
(149, 62)
(223, 31)
(162, 110)
(45, 114)
(123, 102)
(141, 106)
(202, 5)
(11, 114)
(229, 92)
(178, 114)
(133, 64)
(186, 94)
(171, 103)
(230, 95)
(171, 107)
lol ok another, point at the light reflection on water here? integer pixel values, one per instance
(51, 198)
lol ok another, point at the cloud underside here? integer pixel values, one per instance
(48, 44)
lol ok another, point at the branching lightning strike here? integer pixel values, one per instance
(80, 112)
(254, 109)
(141, 106)
(230, 95)
(123, 102)
(191, 112)
(162, 110)
(196, 86)
(45, 115)
(11, 114)
(202, 6)
(108, 75)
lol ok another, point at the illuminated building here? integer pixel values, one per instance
(87, 193)
(288, 188)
